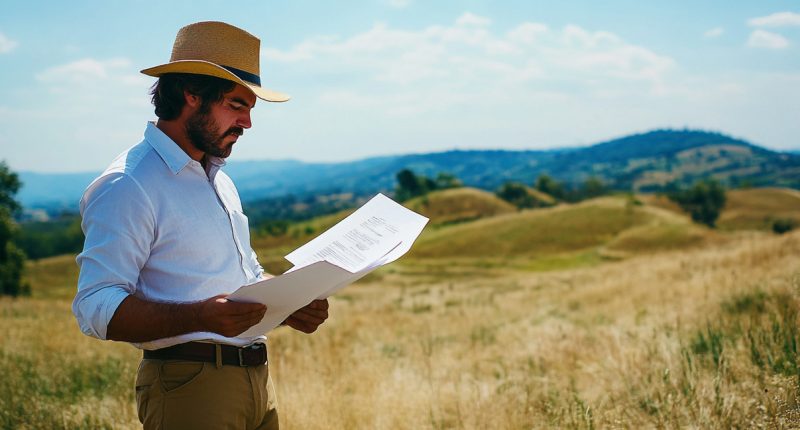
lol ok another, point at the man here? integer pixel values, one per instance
(166, 241)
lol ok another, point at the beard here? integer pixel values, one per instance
(204, 134)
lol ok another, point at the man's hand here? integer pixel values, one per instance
(309, 317)
(219, 315)
(138, 320)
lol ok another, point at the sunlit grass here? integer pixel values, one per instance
(757, 209)
(645, 321)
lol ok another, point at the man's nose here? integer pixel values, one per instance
(244, 120)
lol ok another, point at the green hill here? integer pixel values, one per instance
(664, 231)
(536, 233)
(459, 205)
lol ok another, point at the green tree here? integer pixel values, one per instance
(521, 196)
(516, 194)
(410, 185)
(550, 186)
(703, 201)
(593, 187)
(12, 259)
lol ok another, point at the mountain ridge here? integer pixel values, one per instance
(642, 162)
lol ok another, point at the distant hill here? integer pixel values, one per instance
(54, 191)
(640, 162)
(459, 205)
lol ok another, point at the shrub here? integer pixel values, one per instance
(703, 201)
(783, 225)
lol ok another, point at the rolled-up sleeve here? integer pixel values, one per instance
(119, 224)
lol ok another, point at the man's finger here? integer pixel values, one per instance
(301, 325)
(313, 312)
(310, 318)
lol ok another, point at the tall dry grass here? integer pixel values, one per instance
(615, 345)
(698, 338)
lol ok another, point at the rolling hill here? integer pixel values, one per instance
(470, 226)
(459, 205)
(607, 227)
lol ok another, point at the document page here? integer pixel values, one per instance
(364, 237)
(378, 233)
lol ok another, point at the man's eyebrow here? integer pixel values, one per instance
(241, 101)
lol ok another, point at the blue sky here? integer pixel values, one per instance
(397, 76)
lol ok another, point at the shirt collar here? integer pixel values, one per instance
(172, 154)
(213, 165)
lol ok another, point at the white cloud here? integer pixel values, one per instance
(714, 33)
(471, 19)
(767, 40)
(468, 56)
(91, 86)
(527, 33)
(779, 19)
(6, 45)
(467, 83)
(86, 71)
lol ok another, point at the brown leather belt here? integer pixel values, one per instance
(251, 355)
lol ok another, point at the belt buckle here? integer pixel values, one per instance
(254, 347)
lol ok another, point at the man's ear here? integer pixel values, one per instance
(192, 101)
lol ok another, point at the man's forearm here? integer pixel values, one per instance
(137, 320)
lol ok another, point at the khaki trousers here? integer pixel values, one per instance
(174, 395)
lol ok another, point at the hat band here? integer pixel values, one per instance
(245, 76)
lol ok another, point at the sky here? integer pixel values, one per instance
(387, 77)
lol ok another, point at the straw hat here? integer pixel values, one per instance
(218, 49)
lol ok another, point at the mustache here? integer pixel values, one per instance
(235, 131)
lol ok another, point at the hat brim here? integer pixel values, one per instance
(200, 67)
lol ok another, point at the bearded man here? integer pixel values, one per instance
(166, 242)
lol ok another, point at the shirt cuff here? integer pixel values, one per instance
(95, 311)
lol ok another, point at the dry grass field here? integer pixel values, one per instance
(757, 208)
(701, 333)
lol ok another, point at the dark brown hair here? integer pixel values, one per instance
(168, 91)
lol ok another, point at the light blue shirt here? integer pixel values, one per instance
(162, 228)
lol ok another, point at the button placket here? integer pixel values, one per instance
(236, 241)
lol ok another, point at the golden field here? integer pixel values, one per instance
(601, 314)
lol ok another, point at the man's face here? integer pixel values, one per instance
(215, 127)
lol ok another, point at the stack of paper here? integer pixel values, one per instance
(377, 233)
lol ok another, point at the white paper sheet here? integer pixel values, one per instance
(378, 233)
